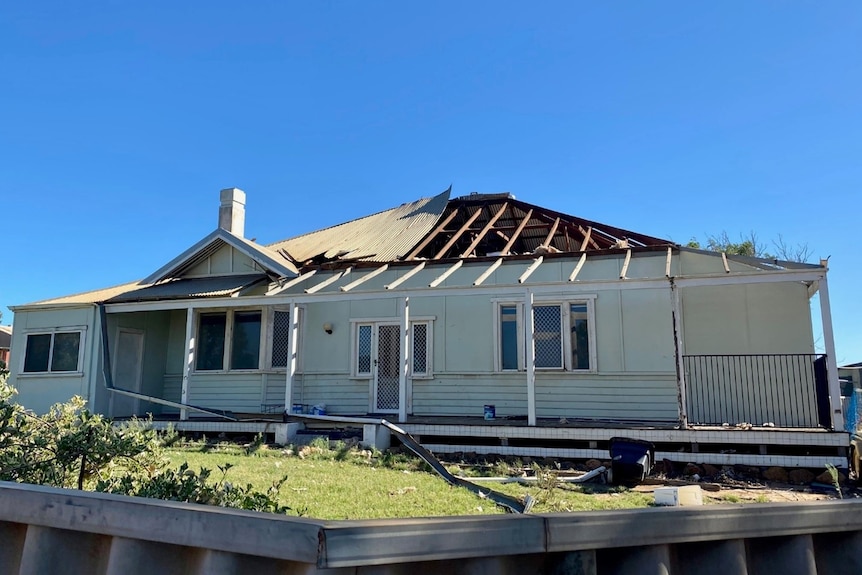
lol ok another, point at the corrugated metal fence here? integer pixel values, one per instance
(46, 531)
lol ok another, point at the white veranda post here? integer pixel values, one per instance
(405, 359)
(291, 357)
(190, 360)
(831, 361)
(529, 337)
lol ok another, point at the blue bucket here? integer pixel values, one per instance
(490, 412)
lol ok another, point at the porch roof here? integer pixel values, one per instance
(218, 286)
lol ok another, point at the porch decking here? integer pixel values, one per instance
(579, 439)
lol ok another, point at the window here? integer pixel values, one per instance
(365, 346)
(363, 349)
(563, 336)
(420, 346)
(548, 330)
(509, 337)
(280, 338)
(240, 329)
(55, 352)
(245, 344)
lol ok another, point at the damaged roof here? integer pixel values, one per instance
(382, 237)
(438, 228)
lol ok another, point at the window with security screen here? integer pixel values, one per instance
(548, 336)
(280, 338)
(370, 350)
(563, 336)
(421, 349)
(363, 349)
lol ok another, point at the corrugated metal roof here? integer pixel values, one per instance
(382, 237)
(93, 296)
(192, 288)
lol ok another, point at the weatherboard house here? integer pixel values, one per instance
(429, 312)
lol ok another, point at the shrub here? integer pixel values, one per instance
(71, 447)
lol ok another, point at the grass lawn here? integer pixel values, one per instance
(350, 483)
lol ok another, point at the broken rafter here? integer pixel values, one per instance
(626, 265)
(587, 238)
(457, 235)
(365, 278)
(406, 276)
(418, 249)
(488, 272)
(724, 262)
(317, 287)
(550, 236)
(485, 230)
(578, 267)
(291, 283)
(529, 271)
(517, 233)
(442, 277)
(667, 263)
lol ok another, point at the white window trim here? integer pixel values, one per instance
(228, 341)
(374, 322)
(498, 350)
(429, 349)
(564, 303)
(78, 372)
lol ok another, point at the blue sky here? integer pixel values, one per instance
(122, 121)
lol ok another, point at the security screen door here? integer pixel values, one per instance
(387, 363)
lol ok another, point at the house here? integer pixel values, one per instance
(5, 344)
(429, 312)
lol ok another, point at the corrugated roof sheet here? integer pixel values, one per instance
(192, 288)
(93, 296)
(381, 237)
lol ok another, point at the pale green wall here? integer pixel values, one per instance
(40, 392)
(753, 319)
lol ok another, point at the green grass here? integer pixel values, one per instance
(349, 483)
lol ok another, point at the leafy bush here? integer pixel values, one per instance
(71, 447)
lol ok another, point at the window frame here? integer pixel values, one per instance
(268, 332)
(77, 372)
(228, 339)
(565, 304)
(355, 325)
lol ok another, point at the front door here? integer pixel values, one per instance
(387, 372)
(128, 369)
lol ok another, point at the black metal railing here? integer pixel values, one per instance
(785, 390)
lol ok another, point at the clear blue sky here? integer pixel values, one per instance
(121, 121)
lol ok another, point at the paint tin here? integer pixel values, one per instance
(490, 412)
(297, 408)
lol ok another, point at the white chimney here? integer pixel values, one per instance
(231, 213)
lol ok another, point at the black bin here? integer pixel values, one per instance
(631, 460)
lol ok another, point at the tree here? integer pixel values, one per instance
(750, 245)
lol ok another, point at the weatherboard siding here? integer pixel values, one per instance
(39, 392)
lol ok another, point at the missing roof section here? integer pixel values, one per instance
(481, 225)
